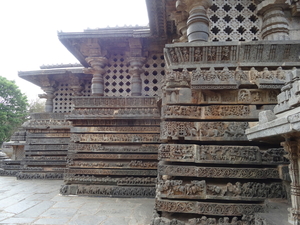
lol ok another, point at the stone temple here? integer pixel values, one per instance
(161, 112)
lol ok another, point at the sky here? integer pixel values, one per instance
(29, 29)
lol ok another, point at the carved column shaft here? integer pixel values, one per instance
(97, 64)
(292, 147)
(275, 25)
(49, 98)
(197, 22)
(136, 70)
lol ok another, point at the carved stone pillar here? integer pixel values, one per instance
(136, 70)
(197, 22)
(97, 69)
(49, 95)
(292, 147)
(275, 25)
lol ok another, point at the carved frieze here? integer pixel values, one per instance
(125, 129)
(111, 191)
(48, 152)
(204, 208)
(133, 164)
(177, 79)
(98, 138)
(120, 122)
(238, 112)
(200, 131)
(204, 220)
(114, 172)
(114, 156)
(47, 135)
(220, 154)
(43, 176)
(199, 189)
(218, 172)
(48, 141)
(113, 112)
(46, 124)
(48, 158)
(242, 96)
(43, 147)
(243, 54)
(122, 181)
(74, 147)
(107, 102)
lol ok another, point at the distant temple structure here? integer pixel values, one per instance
(161, 111)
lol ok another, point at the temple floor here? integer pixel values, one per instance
(39, 202)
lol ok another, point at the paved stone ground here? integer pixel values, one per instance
(39, 202)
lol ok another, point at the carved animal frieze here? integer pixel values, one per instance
(138, 164)
(201, 131)
(111, 191)
(218, 172)
(9, 172)
(207, 208)
(196, 189)
(92, 138)
(204, 220)
(220, 154)
(43, 176)
(122, 181)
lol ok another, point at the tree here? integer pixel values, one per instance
(36, 106)
(13, 108)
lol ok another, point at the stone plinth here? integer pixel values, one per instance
(113, 147)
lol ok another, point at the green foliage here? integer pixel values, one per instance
(13, 108)
(36, 106)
